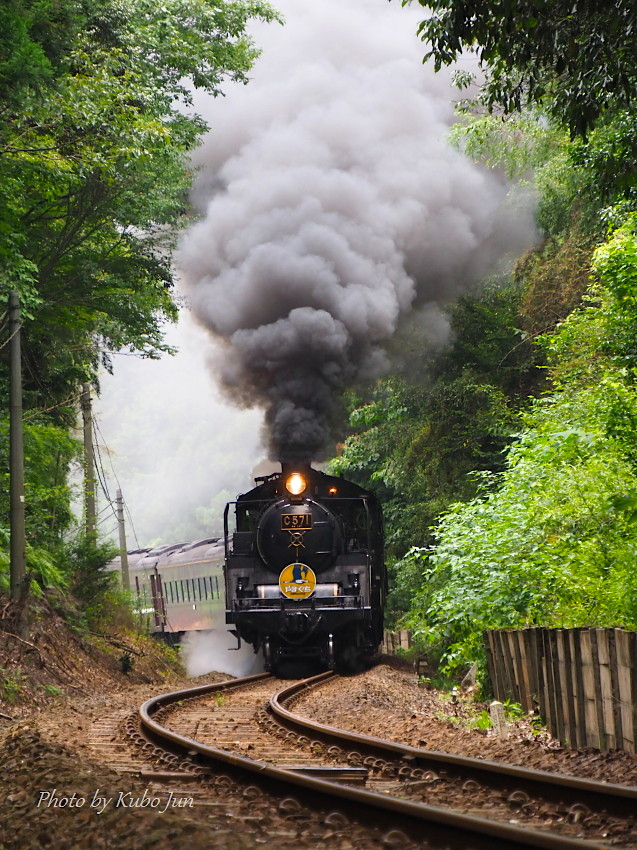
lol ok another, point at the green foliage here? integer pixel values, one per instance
(49, 453)
(96, 126)
(52, 690)
(576, 351)
(92, 585)
(577, 183)
(432, 436)
(604, 328)
(483, 720)
(93, 163)
(616, 263)
(553, 542)
(609, 160)
(418, 437)
(575, 58)
(546, 548)
(25, 39)
(512, 711)
(126, 662)
(11, 683)
(556, 279)
(519, 144)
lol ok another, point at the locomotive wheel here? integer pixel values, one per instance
(350, 660)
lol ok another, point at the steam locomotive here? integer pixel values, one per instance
(304, 569)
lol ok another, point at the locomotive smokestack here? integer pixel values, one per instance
(331, 208)
(288, 466)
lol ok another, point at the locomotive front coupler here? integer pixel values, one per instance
(298, 626)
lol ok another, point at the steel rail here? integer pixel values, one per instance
(422, 822)
(618, 800)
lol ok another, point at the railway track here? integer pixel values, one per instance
(246, 730)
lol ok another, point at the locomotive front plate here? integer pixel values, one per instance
(290, 522)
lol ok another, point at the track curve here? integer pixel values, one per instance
(619, 800)
(316, 755)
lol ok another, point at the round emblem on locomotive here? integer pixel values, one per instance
(297, 581)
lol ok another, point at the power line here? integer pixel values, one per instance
(105, 519)
(102, 475)
(98, 430)
(55, 406)
(130, 522)
(7, 341)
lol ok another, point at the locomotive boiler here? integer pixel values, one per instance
(304, 569)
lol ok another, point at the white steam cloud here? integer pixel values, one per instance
(216, 650)
(177, 451)
(331, 207)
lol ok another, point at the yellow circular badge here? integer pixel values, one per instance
(297, 581)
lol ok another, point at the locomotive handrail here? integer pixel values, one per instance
(225, 529)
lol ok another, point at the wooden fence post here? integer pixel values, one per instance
(583, 680)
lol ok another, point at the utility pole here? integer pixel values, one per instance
(16, 452)
(89, 465)
(123, 553)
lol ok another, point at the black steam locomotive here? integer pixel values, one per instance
(304, 569)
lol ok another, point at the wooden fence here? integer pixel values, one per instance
(395, 640)
(583, 681)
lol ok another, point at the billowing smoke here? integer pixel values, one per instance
(331, 208)
(209, 651)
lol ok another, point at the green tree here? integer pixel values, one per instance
(423, 437)
(576, 59)
(94, 163)
(96, 126)
(552, 542)
(49, 451)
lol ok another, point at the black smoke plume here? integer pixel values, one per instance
(331, 207)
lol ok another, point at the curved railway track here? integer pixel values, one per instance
(246, 728)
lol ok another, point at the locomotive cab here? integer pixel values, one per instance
(304, 569)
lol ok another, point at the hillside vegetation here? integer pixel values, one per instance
(96, 127)
(508, 464)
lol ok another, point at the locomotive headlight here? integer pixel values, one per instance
(295, 484)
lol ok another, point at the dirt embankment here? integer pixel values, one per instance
(47, 658)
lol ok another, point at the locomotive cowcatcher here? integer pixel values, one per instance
(304, 569)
